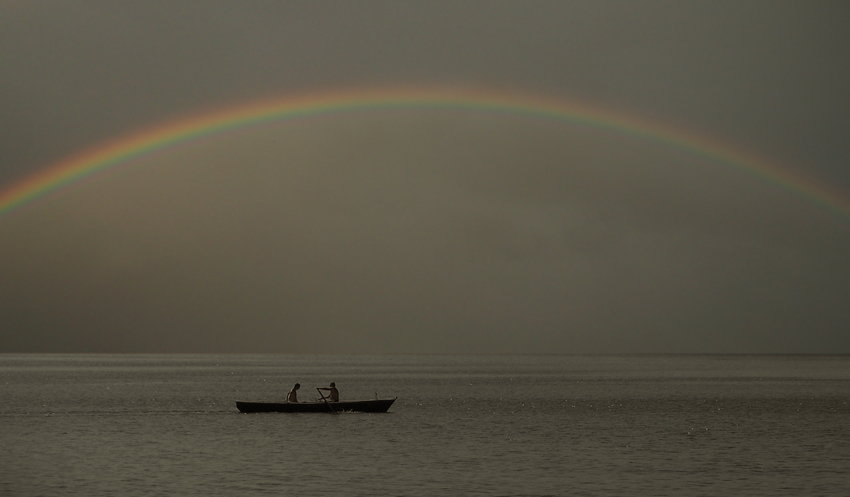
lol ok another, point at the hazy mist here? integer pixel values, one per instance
(425, 231)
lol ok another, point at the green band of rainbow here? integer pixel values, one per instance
(139, 144)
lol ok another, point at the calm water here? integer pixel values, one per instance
(462, 425)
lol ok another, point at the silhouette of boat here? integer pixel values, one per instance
(374, 405)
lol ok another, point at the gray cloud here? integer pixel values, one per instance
(426, 233)
(431, 232)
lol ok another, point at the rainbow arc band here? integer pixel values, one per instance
(124, 150)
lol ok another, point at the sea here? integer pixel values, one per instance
(465, 425)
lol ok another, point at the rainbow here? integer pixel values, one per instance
(123, 150)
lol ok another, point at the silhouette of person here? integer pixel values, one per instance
(292, 396)
(334, 395)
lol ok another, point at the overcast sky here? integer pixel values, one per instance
(427, 231)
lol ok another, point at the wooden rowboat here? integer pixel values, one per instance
(375, 405)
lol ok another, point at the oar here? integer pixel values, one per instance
(326, 400)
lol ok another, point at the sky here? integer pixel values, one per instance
(422, 230)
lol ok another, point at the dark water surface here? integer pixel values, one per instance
(117, 425)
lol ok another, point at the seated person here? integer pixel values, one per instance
(292, 396)
(334, 395)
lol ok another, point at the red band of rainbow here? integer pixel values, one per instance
(124, 149)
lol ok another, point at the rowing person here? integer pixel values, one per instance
(292, 396)
(334, 395)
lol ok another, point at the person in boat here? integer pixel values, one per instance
(292, 396)
(334, 395)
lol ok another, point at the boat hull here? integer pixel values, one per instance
(376, 405)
